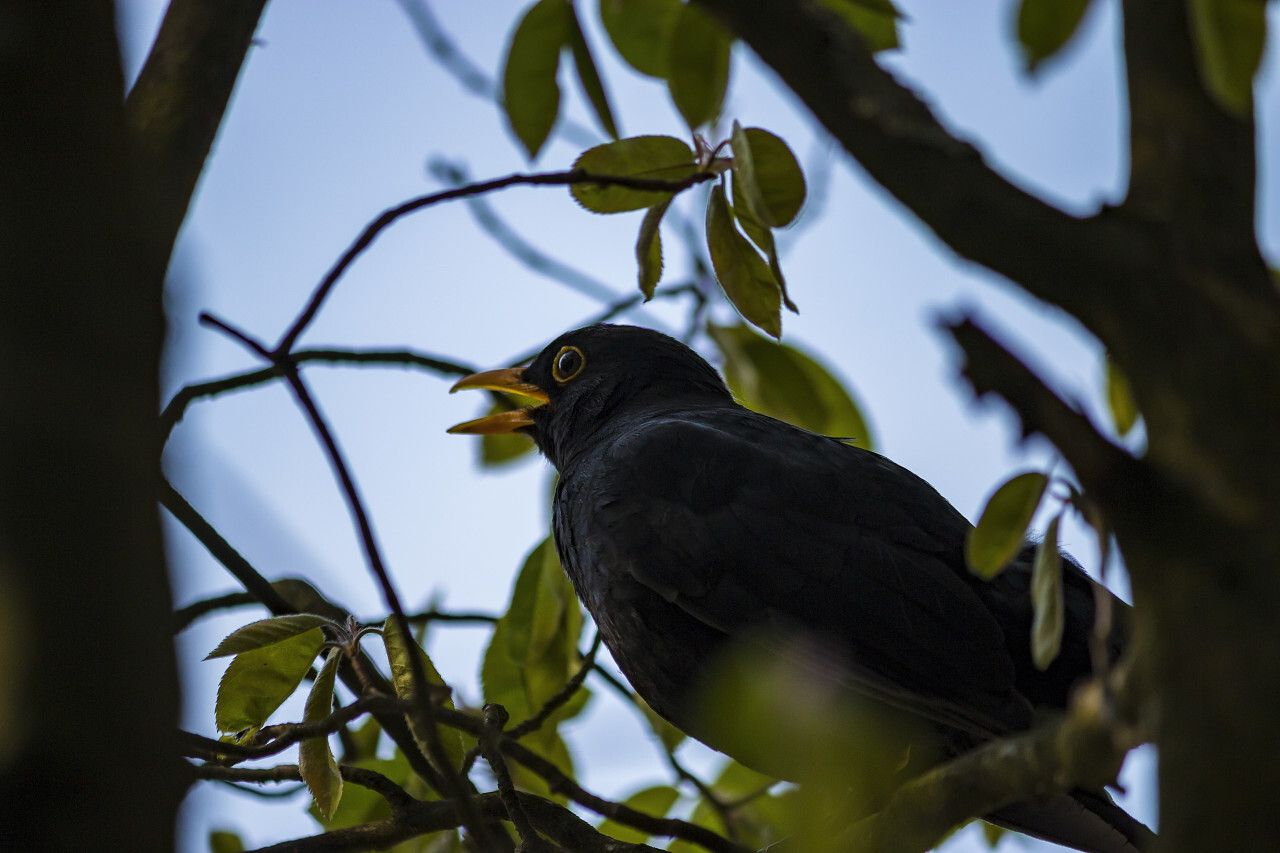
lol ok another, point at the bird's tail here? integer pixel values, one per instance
(1086, 820)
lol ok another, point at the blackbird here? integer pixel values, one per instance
(686, 521)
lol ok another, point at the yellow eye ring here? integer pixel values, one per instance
(567, 364)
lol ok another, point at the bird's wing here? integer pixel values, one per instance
(748, 523)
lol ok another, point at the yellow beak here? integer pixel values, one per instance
(510, 380)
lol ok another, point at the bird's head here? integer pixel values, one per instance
(591, 378)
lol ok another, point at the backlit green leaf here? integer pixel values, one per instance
(649, 249)
(786, 383)
(698, 65)
(257, 681)
(265, 632)
(669, 736)
(1045, 27)
(225, 841)
(1124, 411)
(658, 157)
(399, 648)
(641, 30)
(531, 92)
(875, 20)
(315, 760)
(1229, 36)
(1046, 599)
(778, 175)
(1002, 529)
(743, 274)
(656, 801)
(589, 76)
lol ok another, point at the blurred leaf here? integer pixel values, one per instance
(698, 65)
(258, 681)
(659, 157)
(1045, 27)
(641, 30)
(992, 833)
(656, 801)
(1002, 529)
(744, 276)
(1124, 411)
(265, 632)
(501, 448)
(1046, 598)
(589, 75)
(399, 648)
(531, 93)
(783, 382)
(668, 735)
(315, 760)
(876, 20)
(225, 841)
(1229, 36)
(649, 249)
(364, 741)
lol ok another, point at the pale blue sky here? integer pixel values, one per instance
(336, 115)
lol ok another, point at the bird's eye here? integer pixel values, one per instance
(568, 364)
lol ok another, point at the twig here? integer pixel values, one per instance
(495, 718)
(177, 406)
(396, 797)
(273, 740)
(387, 217)
(184, 616)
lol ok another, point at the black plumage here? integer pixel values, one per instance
(686, 521)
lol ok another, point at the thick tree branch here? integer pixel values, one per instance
(1085, 748)
(1082, 265)
(1192, 164)
(992, 369)
(181, 94)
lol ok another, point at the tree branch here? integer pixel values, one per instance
(1082, 265)
(1085, 749)
(992, 369)
(181, 95)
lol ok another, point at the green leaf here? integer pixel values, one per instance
(762, 236)
(1229, 36)
(225, 841)
(258, 681)
(1046, 599)
(589, 76)
(668, 735)
(698, 66)
(656, 801)
(875, 20)
(641, 30)
(499, 449)
(531, 93)
(537, 604)
(778, 175)
(265, 632)
(1124, 411)
(992, 833)
(745, 277)
(315, 760)
(786, 383)
(649, 249)
(399, 648)
(659, 157)
(1045, 27)
(1002, 529)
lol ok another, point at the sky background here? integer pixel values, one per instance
(339, 113)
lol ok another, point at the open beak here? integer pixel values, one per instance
(510, 380)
